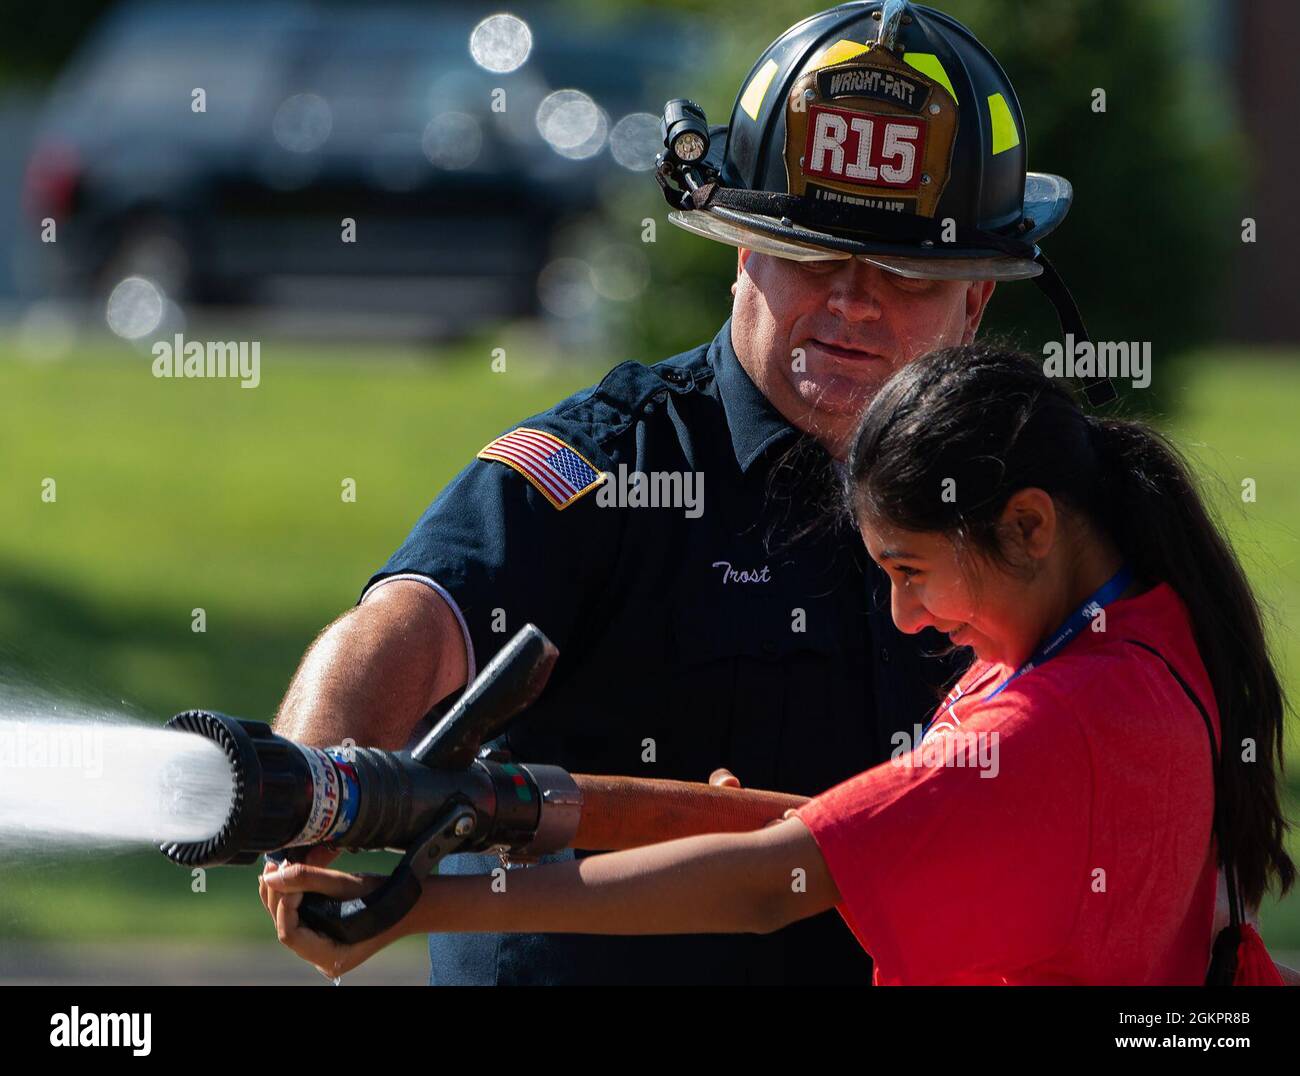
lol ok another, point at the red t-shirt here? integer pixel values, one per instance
(1085, 857)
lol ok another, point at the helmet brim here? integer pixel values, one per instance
(1047, 200)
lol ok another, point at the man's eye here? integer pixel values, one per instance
(906, 572)
(818, 268)
(911, 285)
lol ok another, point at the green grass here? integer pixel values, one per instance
(1235, 419)
(176, 495)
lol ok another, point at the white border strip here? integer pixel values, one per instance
(471, 665)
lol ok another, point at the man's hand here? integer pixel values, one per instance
(724, 779)
(282, 887)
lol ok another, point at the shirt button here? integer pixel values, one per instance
(884, 654)
(769, 649)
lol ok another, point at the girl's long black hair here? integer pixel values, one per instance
(993, 423)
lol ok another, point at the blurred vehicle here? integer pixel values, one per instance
(313, 113)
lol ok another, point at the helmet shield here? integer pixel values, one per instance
(868, 130)
(769, 236)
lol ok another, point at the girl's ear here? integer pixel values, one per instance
(1030, 522)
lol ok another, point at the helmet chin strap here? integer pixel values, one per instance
(1096, 390)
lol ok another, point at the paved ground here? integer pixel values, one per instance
(152, 962)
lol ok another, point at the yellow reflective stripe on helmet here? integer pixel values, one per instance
(757, 89)
(1005, 135)
(842, 50)
(928, 64)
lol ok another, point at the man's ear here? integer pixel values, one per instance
(978, 294)
(742, 256)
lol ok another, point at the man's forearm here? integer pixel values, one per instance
(714, 884)
(373, 673)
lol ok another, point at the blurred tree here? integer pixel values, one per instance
(36, 38)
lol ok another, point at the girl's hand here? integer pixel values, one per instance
(282, 887)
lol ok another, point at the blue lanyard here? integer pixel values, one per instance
(1074, 623)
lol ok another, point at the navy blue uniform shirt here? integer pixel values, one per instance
(751, 632)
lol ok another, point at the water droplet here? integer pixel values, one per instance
(302, 123)
(635, 140)
(452, 140)
(501, 43)
(567, 119)
(135, 308)
(565, 287)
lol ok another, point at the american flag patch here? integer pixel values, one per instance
(561, 474)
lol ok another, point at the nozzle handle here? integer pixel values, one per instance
(351, 921)
(510, 683)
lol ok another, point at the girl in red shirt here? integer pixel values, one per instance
(1056, 822)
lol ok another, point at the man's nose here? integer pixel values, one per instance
(855, 291)
(910, 616)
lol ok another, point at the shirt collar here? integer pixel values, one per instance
(754, 423)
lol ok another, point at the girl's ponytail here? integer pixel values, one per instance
(1150, 506)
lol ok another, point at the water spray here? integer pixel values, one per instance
(448, 795)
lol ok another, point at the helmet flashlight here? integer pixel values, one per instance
(686, 131)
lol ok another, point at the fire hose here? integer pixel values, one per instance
(448, 795)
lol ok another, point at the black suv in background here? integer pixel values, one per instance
(313, 113)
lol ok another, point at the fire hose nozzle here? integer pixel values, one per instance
(438, 799)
